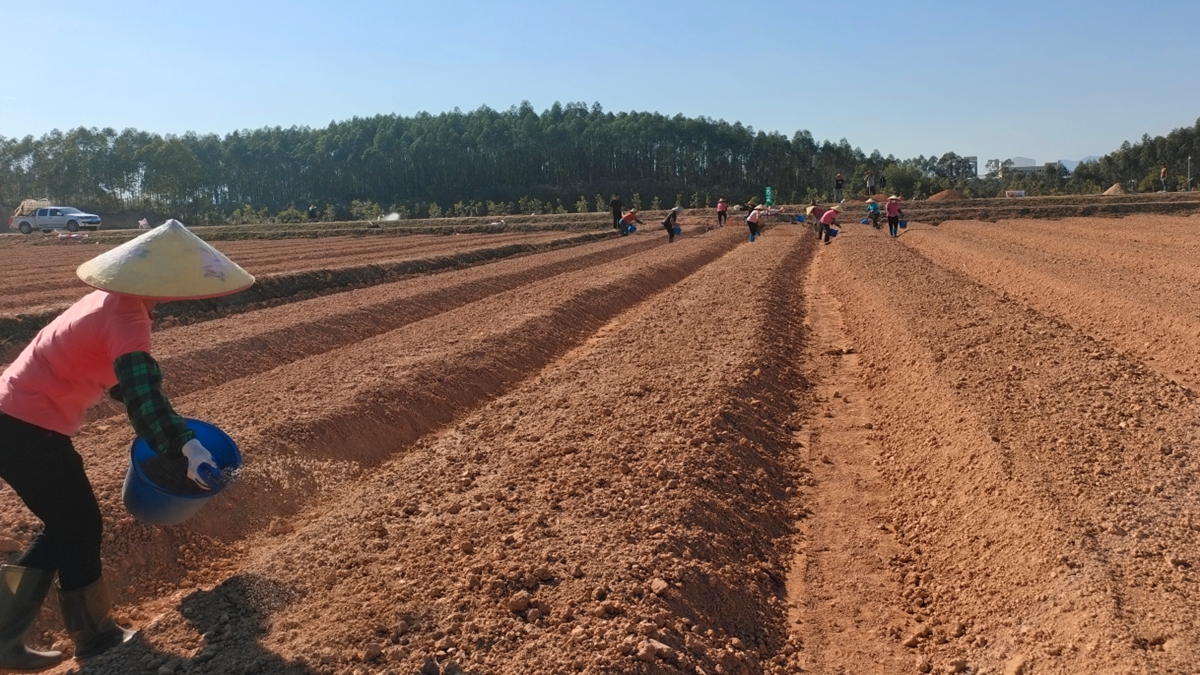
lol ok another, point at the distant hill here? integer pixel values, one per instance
(1070, 164)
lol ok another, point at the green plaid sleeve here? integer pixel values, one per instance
(140, 383)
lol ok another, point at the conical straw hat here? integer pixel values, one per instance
(166, 263)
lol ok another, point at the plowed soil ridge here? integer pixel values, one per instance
(196, 357)
(1041, 482)
(1132, 283)
(315, 424)
(41, 275)
(583, 522)
(593, 464)
(274, 289)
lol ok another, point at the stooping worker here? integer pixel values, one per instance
(873, 212)
(893, 215)
(668, 223)
(722, 211)
(829, 219)
(753, 221)
(625, 224)
(100, 342)
(815, 211)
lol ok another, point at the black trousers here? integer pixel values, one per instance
(47, 474)
(616, 220)
(721, 216)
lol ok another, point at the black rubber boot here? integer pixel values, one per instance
(22, 590)
(86, 614)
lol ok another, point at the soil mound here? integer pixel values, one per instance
(1116, 189)
(881, 197)
(946, 196)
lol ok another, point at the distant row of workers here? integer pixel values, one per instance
(823, 219)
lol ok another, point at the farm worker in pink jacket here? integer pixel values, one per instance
(101, 343)
(829, 219)
(893, 215)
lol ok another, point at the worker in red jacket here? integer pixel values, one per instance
(626, 223)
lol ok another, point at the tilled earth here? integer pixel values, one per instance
(46, 271)
(969, 449)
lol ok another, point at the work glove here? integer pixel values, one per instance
(199, 460)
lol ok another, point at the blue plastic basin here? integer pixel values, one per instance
(903, 224)
(152, 504)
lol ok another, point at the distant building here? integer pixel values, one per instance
(1018, 165)
(974, 160)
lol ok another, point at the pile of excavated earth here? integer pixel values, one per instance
(946, 196)
(970, 449)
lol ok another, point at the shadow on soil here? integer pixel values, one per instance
(232, 618)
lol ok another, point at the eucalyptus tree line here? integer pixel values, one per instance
(483, 161)
(560, 155)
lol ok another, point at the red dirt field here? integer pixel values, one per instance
(969, 449)
(47, 271)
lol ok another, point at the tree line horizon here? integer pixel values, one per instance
(569, 158)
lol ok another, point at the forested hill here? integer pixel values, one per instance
(411, 163)
(1142, 161)
(484, 162)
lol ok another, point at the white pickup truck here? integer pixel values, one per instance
(49, 218)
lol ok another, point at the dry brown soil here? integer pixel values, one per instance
(969, 449)
(41, 274)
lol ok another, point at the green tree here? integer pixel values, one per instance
(581, 205)
(655, 205)
(290, 215)
(636, 202)
(365, 210)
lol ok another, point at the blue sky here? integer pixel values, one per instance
(1047, 80)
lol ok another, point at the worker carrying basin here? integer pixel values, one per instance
(99, 344)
